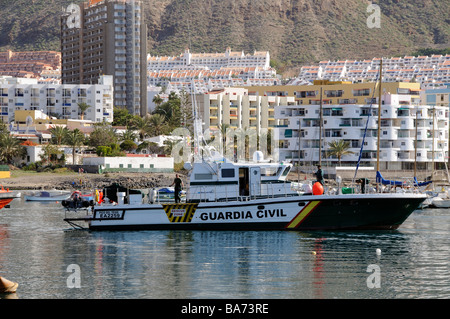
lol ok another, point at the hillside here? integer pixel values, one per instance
(294, 31)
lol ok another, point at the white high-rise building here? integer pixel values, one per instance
(58, 100)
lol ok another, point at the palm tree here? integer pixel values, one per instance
(223, 133)
(9, 148)
(142, 125)
(339, 148)
(128, 135)
(156, 124)
(157, 100)
(74, 138)
(83, 107)
(58, 133)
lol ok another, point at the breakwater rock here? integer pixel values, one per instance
(41, 181)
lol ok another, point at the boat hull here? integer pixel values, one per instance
(444, 203)
(46, 199)
(343, 212)
(5, 201)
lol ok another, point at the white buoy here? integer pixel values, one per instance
(378, 251)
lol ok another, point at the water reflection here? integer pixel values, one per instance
(36, 250)
(177, 264)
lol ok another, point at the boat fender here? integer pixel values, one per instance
(7, 286)
(65, 203)
(153, 195)
(317, 189)
(91, 203)
(85, 204)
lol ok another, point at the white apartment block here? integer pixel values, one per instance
(239, 110)
(209, 61)
(298, 133)
(430, 71)
(211, 71)
(59, 100)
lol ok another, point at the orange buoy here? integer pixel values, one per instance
(7, 286)
(317, 189)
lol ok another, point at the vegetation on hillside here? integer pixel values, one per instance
(295, 32)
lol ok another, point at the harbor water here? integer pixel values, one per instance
(49, 260)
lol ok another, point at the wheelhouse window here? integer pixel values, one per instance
(228, 172)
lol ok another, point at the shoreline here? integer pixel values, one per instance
(22, 180)
(31, 180)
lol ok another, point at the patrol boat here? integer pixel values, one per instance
(224, 195)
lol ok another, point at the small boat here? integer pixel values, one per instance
(439, 202)
(7, 196)
(78, 201)
(48, 196)
(439, 199)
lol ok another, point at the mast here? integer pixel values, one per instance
(432, 146)
(415, 145)
(197, 125)
(320, 127)
(379, 115)
(299, 149)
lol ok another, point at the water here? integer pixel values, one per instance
(37, 247)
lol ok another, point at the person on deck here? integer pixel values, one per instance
(319, 175)
(178, 187)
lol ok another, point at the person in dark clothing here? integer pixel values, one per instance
(178, 187)
(319, 175)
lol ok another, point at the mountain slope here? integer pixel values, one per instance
(294, 31)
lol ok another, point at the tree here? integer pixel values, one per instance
(58, 133)
(103, 135)
(171, 111)
(50, 154)
(339, 148)
(142, 125)
(150, 147)
(128, 135)
(83, 107)
(156, 124)
(128, 146)
(74, 138)
(157, 100)
(9, 148)
(122, 117)
(223, 133)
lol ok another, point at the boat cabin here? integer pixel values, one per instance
(223, 180)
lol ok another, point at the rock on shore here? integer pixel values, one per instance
(48, 181)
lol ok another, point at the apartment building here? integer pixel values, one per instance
(111, 40)
(403, 122)
(438, 97)
(30, 64)
(210, 61)
(237, 109)
(211, 70)
(427, 70)
(58, 100)
(338, 92)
